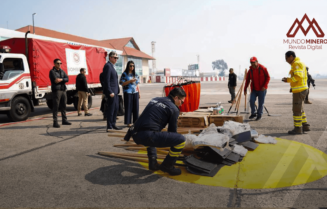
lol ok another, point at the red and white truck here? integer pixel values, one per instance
(24, 72)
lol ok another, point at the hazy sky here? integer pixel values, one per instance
(232, 30)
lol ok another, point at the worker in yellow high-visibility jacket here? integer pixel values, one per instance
(299, 88)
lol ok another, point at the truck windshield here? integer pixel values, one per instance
(11, 67)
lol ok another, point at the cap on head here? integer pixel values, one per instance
(253, 59)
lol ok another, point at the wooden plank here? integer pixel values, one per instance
(116, 135)
(125, 157)
(117, 131)
(138, 155)
(131, 140)
(198, 121)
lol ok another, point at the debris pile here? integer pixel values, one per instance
(216, 147)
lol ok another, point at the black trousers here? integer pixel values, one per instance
(131, 103)
(59, 99)
(112, 109)
(152, 139)
(232, 92)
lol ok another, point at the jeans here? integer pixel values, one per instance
(261, 97)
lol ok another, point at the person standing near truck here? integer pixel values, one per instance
(58, 78)
(111, 90)
(83, 92)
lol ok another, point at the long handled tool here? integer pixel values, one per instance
(239, 100)
(138, 155)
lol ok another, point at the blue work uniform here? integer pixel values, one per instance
(147, 130)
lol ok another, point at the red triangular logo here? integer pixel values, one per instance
(305, 32)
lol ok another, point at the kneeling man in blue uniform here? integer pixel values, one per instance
(147, 130)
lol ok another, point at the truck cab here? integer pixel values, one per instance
(15, 86)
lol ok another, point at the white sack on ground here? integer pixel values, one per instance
(239, 149)
(235, 127)
(265, 139)
(189, 139)
(212, 140)
(212, 129)
(208, 137)
(254, 134)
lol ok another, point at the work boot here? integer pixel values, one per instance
(252, 116)
(296, 131)
(258, 117)
(153, 164)
(307, 102)
(306, 127)
(170, 169)
(55, 124)
(65, 122)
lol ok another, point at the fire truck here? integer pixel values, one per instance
(24, 72)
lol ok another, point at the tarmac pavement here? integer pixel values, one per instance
(42, 166)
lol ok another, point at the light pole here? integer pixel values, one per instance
(154, 67)
(33, 22)
(198, 62)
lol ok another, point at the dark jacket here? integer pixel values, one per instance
(310, 80)
(110, 80)
(232, 79)
(259, 78)
(54, 74)
(81, 83)
(157, 114)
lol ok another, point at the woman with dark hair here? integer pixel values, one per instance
(130, 80)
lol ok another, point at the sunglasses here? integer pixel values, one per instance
(58, 63)
(116, 58)
(132, 65)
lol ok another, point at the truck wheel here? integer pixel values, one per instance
(89, 102)
(20, 109)
(50, 104)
